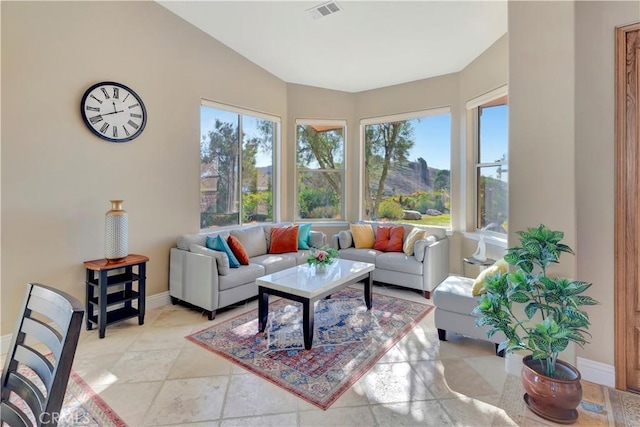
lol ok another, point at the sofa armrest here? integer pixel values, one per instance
(435, 265)
(193, 278)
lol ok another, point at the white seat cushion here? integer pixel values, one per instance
(454, 294)
(240, 276)
(275, 262)
(362, 255)
(398, 261)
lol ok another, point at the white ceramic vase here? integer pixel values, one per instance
(116, 232)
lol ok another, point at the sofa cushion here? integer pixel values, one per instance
(284, 239)
(303, 235)
(220, 244)
(389, 238)
(222, 260)
(252, 239)
(363, 236)
(317, 239)
(398, 261)
(364, 255)
(275, 262)
(410, 240)
(238, 250)
(241, 276)
(454, 294)
(345, 239)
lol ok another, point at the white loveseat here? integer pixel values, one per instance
(201, 277)
(424, 270)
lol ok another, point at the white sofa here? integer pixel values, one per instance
(424, 270)
(201, 277)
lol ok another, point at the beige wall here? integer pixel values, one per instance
(594, 160)
(57, 177)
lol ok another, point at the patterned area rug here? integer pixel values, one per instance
(81, 406)
(600, 406)
(347, 342)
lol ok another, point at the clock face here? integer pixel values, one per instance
(113, 112)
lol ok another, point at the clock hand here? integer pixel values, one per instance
(106, 114)
(114, 106)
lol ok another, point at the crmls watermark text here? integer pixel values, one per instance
(55, 418)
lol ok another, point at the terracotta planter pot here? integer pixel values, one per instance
(555, 399)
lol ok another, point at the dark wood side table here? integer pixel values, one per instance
(98, 282)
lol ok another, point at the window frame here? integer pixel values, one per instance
(275, 156)
(343, 171)
(419, 114)
(473, 110)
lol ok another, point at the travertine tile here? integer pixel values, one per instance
(194, 361)
(393, 382)
(352, 416)
(421, 413)
(278, 420)
(449, 378)
(467, 411)
(138, 366)
(187, 400)
(249, 396)
(131, 401)
(156, 338)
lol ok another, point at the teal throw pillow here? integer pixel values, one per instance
(219, 244)
(303, 235)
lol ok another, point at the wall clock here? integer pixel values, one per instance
(113, 111)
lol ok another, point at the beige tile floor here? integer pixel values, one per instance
(151, 375)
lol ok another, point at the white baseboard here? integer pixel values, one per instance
(596, 372)
(154, 301)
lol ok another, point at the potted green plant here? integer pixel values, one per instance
(539, 314)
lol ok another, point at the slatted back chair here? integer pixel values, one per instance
(49, 318)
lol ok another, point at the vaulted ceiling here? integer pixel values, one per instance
(365, 45)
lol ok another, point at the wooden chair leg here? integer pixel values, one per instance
(427, 294)
(211, 315)
(499, 353)
(442, 334)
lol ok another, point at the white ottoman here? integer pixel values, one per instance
(454, 304)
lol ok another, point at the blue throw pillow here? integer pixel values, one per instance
(219, 244)
(303, 235)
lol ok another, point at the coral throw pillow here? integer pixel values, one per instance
(284, 239)
(363, 237)
(389, 238)
(238, 250)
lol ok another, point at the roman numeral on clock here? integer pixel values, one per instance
(89, 108)
(104, 127)
(115, 131)
(116, 92)
(95, 119)
(126, 132)
(104, 91)
(137, 116)
(134, 106)
(132, 124)
(91, 96)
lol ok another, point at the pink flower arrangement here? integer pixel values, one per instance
(322, 256)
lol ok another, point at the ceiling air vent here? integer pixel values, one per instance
(324, 9)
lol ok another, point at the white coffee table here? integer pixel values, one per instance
(303, 284)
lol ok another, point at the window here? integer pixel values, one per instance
(406, 171)
(320, 160)
(236, 165)
(491, 159)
